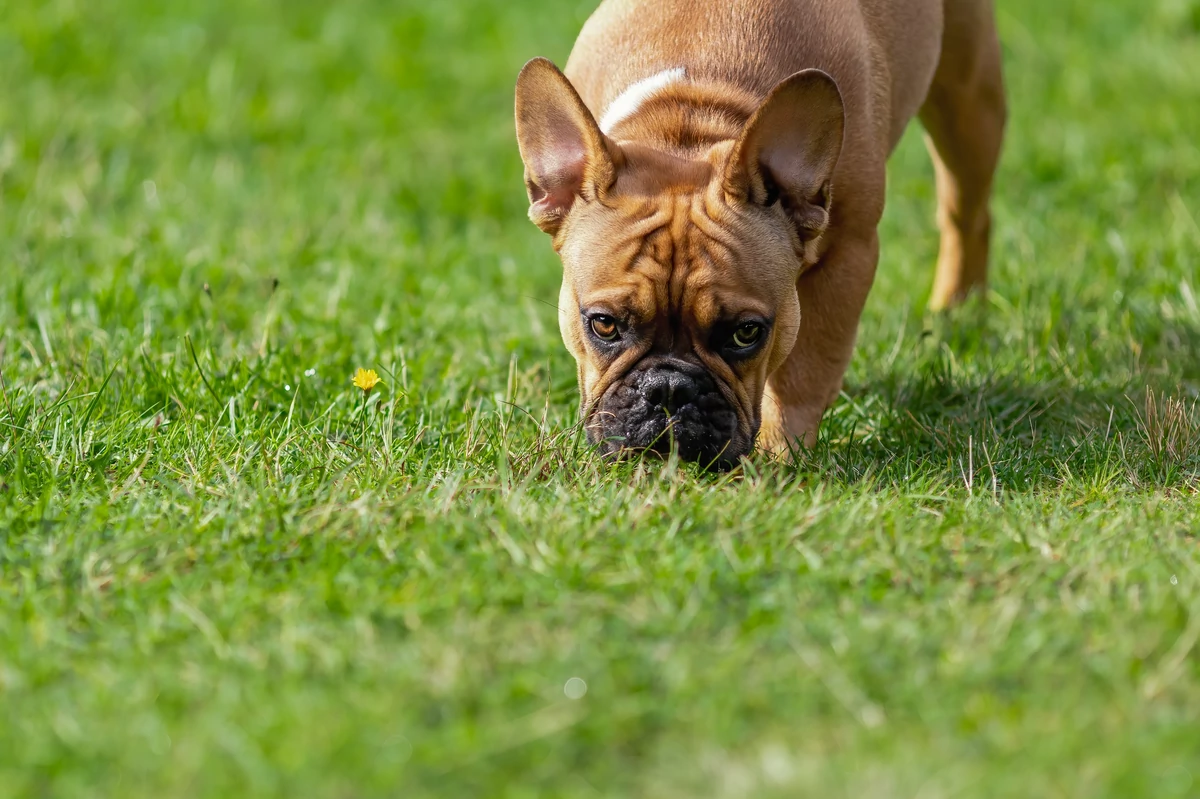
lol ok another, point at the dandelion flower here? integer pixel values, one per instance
(366, 379)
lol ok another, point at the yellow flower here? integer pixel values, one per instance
(366, 379)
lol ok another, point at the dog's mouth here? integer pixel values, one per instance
(669, 406)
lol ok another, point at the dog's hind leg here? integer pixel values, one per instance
(964, 117)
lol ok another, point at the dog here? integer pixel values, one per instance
(712, 175)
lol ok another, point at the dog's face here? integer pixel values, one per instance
(679, 274)
(676, 304)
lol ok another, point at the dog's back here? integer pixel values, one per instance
(882, 53)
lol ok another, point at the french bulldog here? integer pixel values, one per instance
(712, 175)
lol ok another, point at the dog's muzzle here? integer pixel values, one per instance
(665, 405)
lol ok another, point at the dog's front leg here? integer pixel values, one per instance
(832, 296)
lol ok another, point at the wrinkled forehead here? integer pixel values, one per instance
(649, 254)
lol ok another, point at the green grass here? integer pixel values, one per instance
(222, 574)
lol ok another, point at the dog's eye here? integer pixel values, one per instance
(605, 327)
(747, 335)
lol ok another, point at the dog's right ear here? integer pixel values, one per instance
(566, 156)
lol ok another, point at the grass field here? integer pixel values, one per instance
(224, 574)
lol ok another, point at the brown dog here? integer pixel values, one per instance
(717, 225)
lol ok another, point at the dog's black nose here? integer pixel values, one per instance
(668, 389)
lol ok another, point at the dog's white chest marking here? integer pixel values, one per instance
(628, 101)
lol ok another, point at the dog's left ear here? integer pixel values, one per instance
(566, 156)
(789, 149)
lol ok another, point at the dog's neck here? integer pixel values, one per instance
(673, 112)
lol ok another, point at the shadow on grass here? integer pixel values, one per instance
(1008, 431)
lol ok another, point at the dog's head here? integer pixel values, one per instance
(679, 269)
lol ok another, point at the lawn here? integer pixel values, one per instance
(223, 573)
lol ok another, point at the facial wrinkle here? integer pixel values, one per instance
(712, 251)
(681, 268)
